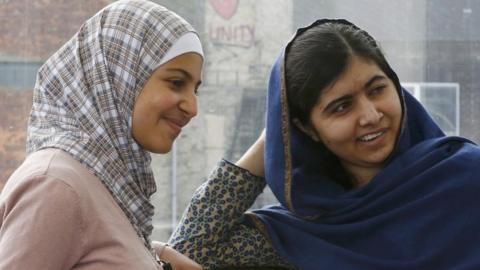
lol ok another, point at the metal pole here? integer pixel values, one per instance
(174, 185)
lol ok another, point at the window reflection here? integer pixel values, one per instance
(433, 45)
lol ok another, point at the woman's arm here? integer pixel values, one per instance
(212, 232)
(252, 160)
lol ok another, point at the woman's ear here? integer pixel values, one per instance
(306, 129)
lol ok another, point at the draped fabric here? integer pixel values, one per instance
(85, 93)
(419, 212)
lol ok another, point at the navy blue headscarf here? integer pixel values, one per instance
(420, 212)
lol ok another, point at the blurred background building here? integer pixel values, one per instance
(433, 46)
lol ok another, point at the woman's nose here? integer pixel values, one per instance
(189, 105)
(370, 114)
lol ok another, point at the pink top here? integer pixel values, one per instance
(55, 215)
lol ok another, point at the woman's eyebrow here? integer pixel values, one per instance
(334, 102)
(184, 73)
(374, 79)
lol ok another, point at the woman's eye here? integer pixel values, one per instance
(378, 89)
(176, 83)
(342, 107)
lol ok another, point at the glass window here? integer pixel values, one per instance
(432, 44)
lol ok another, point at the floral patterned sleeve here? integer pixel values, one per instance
(211, 231)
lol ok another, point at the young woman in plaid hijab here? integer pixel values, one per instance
(123, 86)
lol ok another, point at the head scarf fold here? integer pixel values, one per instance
(419, 212)
(85, 93)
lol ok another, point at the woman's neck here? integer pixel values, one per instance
(361, 175)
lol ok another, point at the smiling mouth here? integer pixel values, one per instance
(176, 127)
(176, 124)
(371, 136)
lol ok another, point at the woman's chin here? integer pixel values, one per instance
(160, 149)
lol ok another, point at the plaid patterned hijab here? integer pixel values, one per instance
(85, 93)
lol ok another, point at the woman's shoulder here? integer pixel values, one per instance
(51, 169)
(36, 190)
(36, 199)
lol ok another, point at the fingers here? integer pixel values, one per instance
(178, 260)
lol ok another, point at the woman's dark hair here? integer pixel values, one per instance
(316, 58)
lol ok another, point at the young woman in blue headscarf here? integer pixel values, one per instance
(364, 177)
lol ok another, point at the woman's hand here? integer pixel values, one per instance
(175, 258)
(252, 160)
